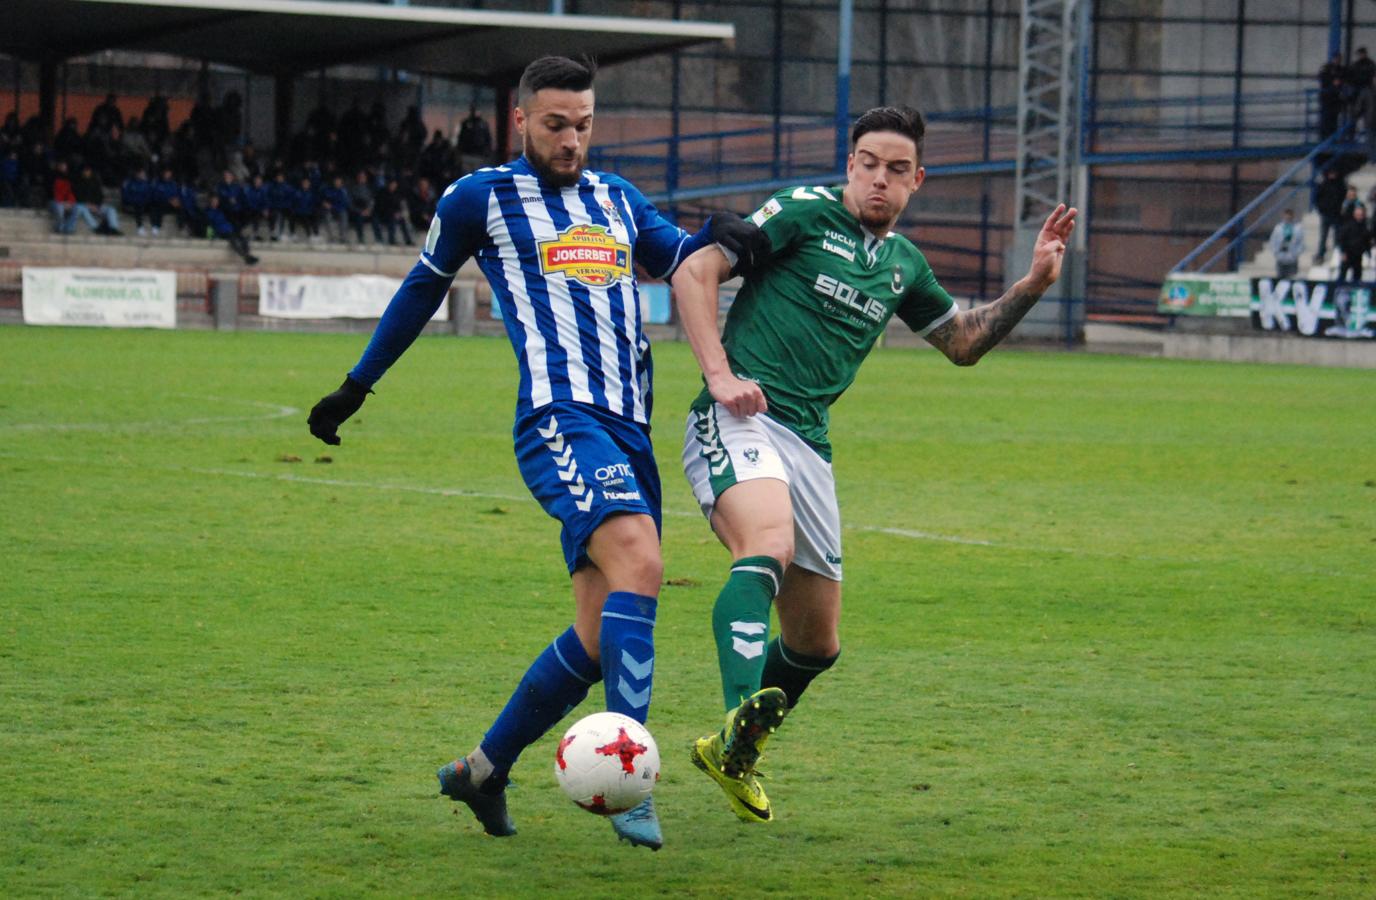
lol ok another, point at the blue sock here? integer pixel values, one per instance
(555, 683)
(628, 652)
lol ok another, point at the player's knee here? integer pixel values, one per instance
(638, 567)
(820, 645)
(778, 546)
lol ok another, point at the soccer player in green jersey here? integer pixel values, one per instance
(821, 284)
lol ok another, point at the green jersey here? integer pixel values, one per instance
(807, 317)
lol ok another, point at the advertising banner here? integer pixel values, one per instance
(1206, 295)
(1331, 309)
(329, 297)
(112, 298)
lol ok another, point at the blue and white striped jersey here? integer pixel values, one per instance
(561, 265)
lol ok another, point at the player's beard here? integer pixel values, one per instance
(548, 174)
(878, 219)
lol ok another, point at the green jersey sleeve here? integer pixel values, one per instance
(926, 306)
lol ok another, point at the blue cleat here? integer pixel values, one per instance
(489, 808)
(639, 825)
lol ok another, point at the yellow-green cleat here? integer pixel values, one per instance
(729, 756)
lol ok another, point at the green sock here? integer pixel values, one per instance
(792, 671)
(740, 624)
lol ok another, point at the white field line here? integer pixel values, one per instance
(277, 411)
(401, 487)
(274, 411)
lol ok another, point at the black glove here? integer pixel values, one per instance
(327, 415)
(748, 242)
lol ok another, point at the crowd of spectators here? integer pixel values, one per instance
(340, 178)
(1347, 92)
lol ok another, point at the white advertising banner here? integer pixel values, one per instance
(329, 296)
(114, 298)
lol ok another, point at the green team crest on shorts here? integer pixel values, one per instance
(806, 319)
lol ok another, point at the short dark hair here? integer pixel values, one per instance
(558, 72)
(902, 120)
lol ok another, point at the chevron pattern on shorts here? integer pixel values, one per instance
(566, 465)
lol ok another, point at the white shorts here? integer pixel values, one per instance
(720, 450)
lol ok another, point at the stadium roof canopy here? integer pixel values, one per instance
(286, 37)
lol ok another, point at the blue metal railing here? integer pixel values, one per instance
(1280, 183)
(1276, 125)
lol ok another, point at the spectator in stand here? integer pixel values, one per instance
(1354, 240)
(11, 178)
(420, 202)
(1350, 203)
(389, 211)
(231, 194)
(133, 148)
(437, 159)
(1328, 202)
(37, 173)
(334, 209)
(1359, 77)
(305, 210)
(1287, 245)
(360, 203)
(136, 196)
(411, 131)
(311, 171)
(98, 150)
(154, 120)
(229, 122)
(475, 142)
(67, 145)
(166, 198)
(376, 125)
(187, 206)
(62, 200)
(184, 152)
(10, 136)
(249, 164)
(219, 225)
(256, 208)
(90, 203)
(280, 197)
(34, 131)
(106, 116)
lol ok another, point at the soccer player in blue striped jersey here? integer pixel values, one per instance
(558, 244)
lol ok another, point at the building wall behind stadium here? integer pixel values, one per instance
(949, 57)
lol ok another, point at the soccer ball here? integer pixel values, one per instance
(607, 763)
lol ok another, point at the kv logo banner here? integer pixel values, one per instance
(1320, 308)
(1307, 300)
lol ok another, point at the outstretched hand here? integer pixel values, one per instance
(1049, 251)
(334, 408)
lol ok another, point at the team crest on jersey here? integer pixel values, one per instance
(766, 212)
(897, 283)
(588, 254)
(609, 208)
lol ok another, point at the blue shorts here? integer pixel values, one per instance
(584, 464)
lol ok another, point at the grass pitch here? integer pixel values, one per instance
(1109, 632)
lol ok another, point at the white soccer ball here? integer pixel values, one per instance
(607, 763)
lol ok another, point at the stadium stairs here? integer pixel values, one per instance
(1263, 265)
(27, 238)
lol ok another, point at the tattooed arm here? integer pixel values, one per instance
(974, 332)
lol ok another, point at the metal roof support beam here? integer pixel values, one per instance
(1049, 66)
